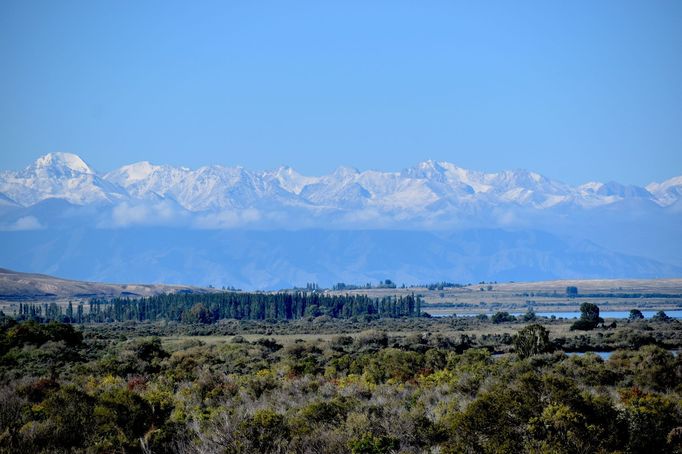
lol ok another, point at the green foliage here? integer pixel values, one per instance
(590, 312)
(649, 418)
(635, 314)
(17, 335)
(68, 413)
(529, 316)
(661, 316)
(375, 391)
(38, 349)
(532, 340)
(265, 431)
(649, 367)
(582, 325)
(198, 313)
(138, 357)
(121, 417)
(370, 444)
(589, 317)
(333, 412)
(212, 307)
(502, 317)
(392, 363)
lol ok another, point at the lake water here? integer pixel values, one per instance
(607, 355)
(603, 355)
(676, 313)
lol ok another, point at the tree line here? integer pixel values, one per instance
(209, 308)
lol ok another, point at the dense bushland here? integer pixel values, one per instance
(104, 391)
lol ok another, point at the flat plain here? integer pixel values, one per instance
(484, 297)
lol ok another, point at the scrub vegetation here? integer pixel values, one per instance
(386, 385)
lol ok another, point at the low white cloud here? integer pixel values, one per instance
(23, 223)
(228, 219)
(168, 213)
(362, 216)
(127, 214)
(506, 218)
(368, 218)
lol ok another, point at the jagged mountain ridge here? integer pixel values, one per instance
(427, 187)
(280, 228)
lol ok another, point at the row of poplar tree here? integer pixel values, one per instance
(209, 308)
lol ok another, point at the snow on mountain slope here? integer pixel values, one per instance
(144, 180)
(59, 175)
(289, 179)
(206, 188)
(58, 165)
(429, 187)
(131, 174)
(668, 192)
(6, 201)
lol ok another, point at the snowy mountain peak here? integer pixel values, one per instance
(289, 179)
(59, 164)
(430, 164)
(665, 185)
(59, 176)
(346, 172)
(284, 170)
(668, 192)
(613, 188)
(131, 173)
(430, 170)
(590, 187)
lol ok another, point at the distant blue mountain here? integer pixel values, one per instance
(231, 226)
(281, 259)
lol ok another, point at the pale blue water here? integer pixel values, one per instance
(676, 313)
(603, 355)
(607, 355)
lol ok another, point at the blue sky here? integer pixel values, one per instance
(577, 90)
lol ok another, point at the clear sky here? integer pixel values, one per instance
(576, 90)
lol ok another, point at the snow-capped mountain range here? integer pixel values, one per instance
(231, 226)
(428, 187)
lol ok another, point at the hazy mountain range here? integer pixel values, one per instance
(231, 226)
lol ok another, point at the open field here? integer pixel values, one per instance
(543, 296)
(494, 336)
(555, 329)
(615, 294)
